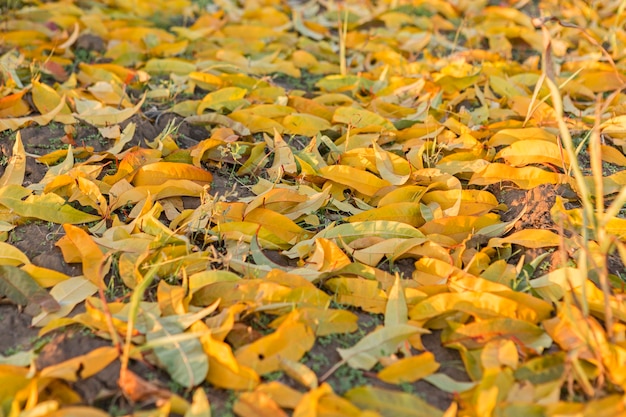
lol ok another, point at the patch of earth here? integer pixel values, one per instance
(17, 335)
(70, 344)
(324, 356)
(37, 240)
(536, 204)
(404, 267)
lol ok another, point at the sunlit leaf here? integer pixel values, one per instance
(108, 115)
(92, 258)
(381, 342)
(159, 172)
(252, 404)
(530, 238)
(299, 372)
(475, 335)
(200, 406)
(10, 255)
(361, 181)
(291, 340)
(82, 367)
(409, 369)
(525, 177)
(16, 166)
(47, 207)
(391, 403)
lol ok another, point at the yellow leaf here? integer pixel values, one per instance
(247, 231)
(169, 49)
(612, 155)
(10, 255)
(15, 123)
(48, 207)
(46, 99)
(170, 188)
(14, 105)
(200, 406)
(284, 163)
(82, 367)
(43, 276)
(358, 292)
(284, 395)
(291, 340)
(68, 293)
(392, 248)
(525, 177)
(308, 106)
(309, 403)
(168, 66)
(381, 342)
(205, 80)
(529, 238)
(299, 372)
(228, 98)
(470, 202)
(531, 151)
(327, 256)
(498, 353)
(396, 173)
(362, 181)
(257, 404)
(396, 310)
(602, 81)
(409, 369)
(361, 118)
(409, 213)
(459, 227)
(158, 173)
(325, 321)
(481, 305)
(540, 112)
(304, 124)
(256, 123)
(476, 334)
(94, 262)
(108, 116)
(224, 371)
(510, 136)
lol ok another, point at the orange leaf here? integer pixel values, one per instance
(159, 172)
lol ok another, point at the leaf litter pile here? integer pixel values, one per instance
(313, 209)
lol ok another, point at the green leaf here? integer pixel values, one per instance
(381, 342)
(391, 403)
(447, 384)
(47, 207)
(20, 288)
(184, 360)
(380, 228)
